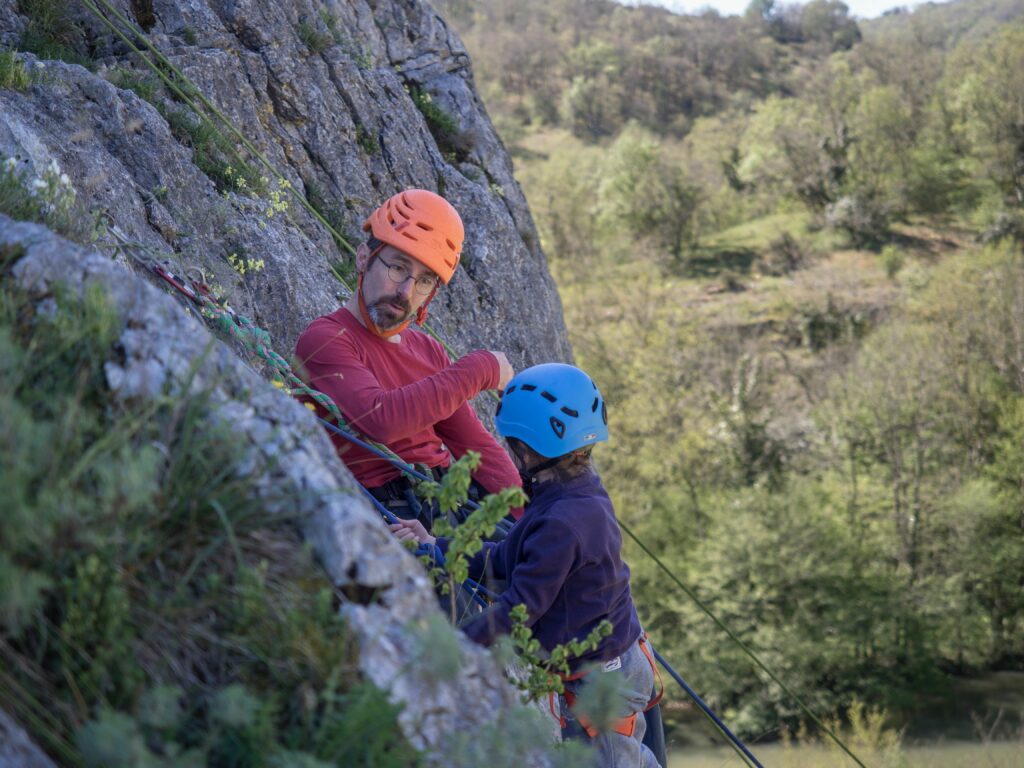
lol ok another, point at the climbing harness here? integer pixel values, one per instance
(624, 726)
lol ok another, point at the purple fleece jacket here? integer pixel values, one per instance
(562, 560)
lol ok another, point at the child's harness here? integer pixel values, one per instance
(623, 725)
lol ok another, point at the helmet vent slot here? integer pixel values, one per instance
(570, 412)
(558, 426)
(593, 408)
(425, 227)
(604, 413)
(510, 390)
(528, 387)
(548, 396)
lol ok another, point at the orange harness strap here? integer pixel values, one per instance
(625, 726)
(646, 648)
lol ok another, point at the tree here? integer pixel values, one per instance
(644, 195)
(985, 86)
(829, 21)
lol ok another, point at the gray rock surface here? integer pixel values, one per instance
(324, 92)
(11, 24)
(16, 749)
(162, 349)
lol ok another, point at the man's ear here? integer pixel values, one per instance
(362, 257)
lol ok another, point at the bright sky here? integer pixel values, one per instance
(864, 9)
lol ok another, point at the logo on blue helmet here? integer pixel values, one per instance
(554, 408)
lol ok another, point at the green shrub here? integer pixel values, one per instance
(366, 140)
(145, 85)
(892, 260)
(441, 124)
(212, 152)
(313, 38)
(48, 198)
(51, 32)
(13, 74)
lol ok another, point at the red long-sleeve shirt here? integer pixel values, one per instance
(408, 395)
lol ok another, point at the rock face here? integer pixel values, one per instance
(16, 749)
(349, 102)
(325, 92)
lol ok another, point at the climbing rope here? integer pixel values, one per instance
(733, 739)
(743, 646)
(258, 340)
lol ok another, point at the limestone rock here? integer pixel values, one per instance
(162, 350)
(325, 92)
(16, 749)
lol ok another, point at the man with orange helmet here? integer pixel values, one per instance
(397, 385)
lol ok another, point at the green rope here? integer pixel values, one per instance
(163, 60)
(743, 646)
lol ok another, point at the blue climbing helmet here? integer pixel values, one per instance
(554, 408)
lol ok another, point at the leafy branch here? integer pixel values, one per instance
(544, 672)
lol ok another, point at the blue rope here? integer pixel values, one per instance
(433, 552)
(397, 463)
(387, 513)
(707, 710)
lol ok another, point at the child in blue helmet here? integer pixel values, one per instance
(562, 558)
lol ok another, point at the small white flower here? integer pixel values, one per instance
(10, 164)
(54, 168)
(38, 184)
(65, 180)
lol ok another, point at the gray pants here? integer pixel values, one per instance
(635, 681)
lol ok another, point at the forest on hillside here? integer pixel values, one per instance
(789, 249)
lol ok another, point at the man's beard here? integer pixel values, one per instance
(384, 315)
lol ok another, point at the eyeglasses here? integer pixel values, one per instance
(399, 274)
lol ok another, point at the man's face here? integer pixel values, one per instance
(391, 302)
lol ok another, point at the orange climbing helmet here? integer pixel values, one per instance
(423, 225)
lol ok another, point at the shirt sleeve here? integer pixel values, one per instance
(463, 431)
(331, 364)
(546, 558)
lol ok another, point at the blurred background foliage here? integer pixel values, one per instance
(789, 249)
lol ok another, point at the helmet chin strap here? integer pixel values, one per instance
(529, 476)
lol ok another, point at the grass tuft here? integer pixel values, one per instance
(13, 74)
(52, 32)
(315, 40)
(441, 123)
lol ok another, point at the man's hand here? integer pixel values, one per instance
(411, 530)
(505, 371)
